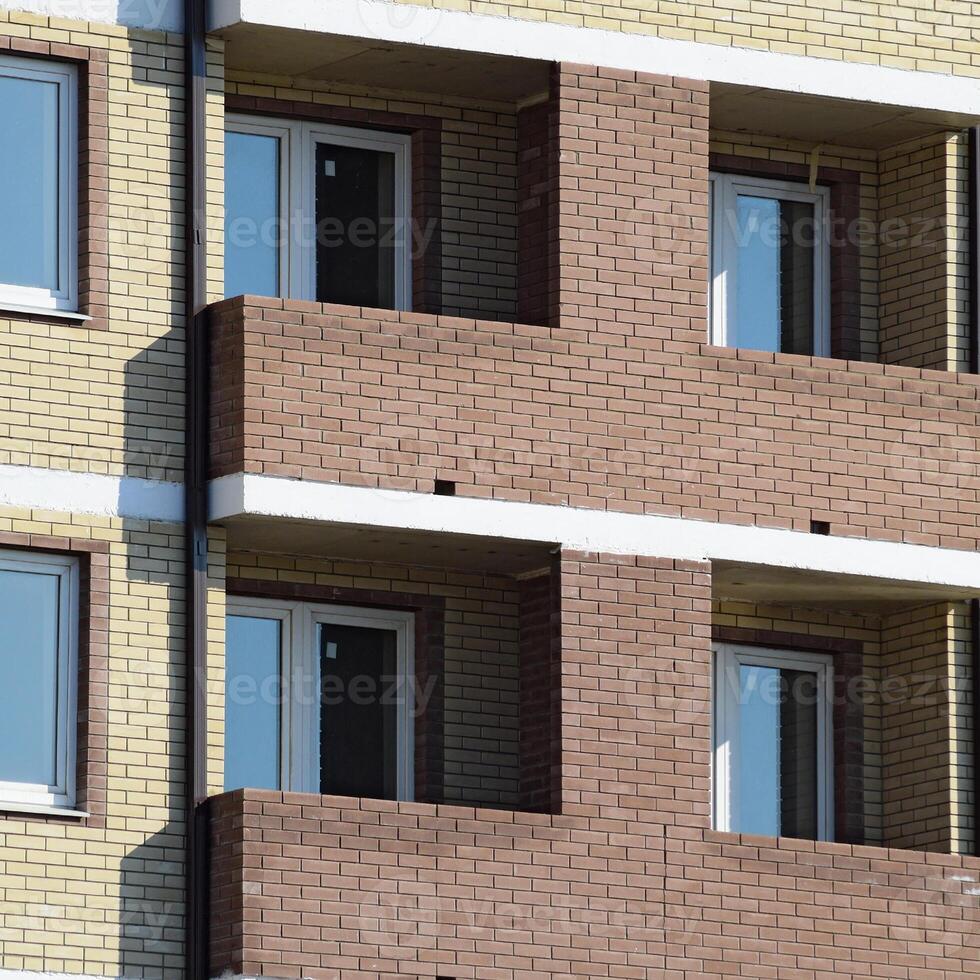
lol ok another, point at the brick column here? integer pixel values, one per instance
(632, 206)
(918, 729)
(540, 688)
(635, 689)
(924, 253)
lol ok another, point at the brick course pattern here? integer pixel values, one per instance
(554, 416)
(328, 887)
(618, 402)
(909, 34)
(625, 881)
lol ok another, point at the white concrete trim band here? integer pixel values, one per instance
(63, 491)
(243, 495)
(150, 15)
(591, 530)
(382, 20)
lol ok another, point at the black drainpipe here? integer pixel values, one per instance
(973, 135)
(195, 489)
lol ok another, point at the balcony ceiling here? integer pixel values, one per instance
(379, 64)
(396, 546)
(785, 586)
(818, 120)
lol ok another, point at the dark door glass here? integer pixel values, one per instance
(355, 204)
(358, 711)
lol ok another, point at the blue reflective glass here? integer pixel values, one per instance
(759, 697)
(252, 225)
(29, 677)
(29, 189)
(757, 296)
(253, 699)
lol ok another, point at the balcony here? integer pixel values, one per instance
(371, 398)
(600, 860)
(309, 886)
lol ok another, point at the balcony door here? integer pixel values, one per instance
(317, 212)
(319, 699)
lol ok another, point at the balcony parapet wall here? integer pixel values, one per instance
(587, 418)
(323, 886)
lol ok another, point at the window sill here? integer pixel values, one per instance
(43, 311)
(42, 810)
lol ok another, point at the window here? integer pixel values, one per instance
(38, 160)
(319, 699)
(773, 743)
(38, 678)
(317, 212)
(770, 280)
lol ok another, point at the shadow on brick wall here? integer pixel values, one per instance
(151, 915)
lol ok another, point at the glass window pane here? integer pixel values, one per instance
(355, 213)
(758, 762)
(778, 731)
(796, 284)
(29, 189)
(358, 713)
(774, 292)
(253, 697)
(252, 225)
(29, 604)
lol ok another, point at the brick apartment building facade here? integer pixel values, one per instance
(489, 491)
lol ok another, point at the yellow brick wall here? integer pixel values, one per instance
(960, 683)
(911, 34)
(924, 253)
(109, 901)
(74, 897)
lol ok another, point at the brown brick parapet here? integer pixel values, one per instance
(310, 886)
(585, 418)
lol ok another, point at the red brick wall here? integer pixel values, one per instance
(321, 887)
(632, 208)
(540, 707)
(626, 881)
(560, 416)
(537, 203)
(617, 402)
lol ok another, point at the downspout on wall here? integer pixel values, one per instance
(973, 139)
(195, 488)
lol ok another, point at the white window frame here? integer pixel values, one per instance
(300, 663)
(728, 658)
(297, 194)
(723, 260)
(61, 795)
(283, 134)
(65, 296)
(260, 609)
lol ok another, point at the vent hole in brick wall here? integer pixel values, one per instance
(820, 527)
(445, 488)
